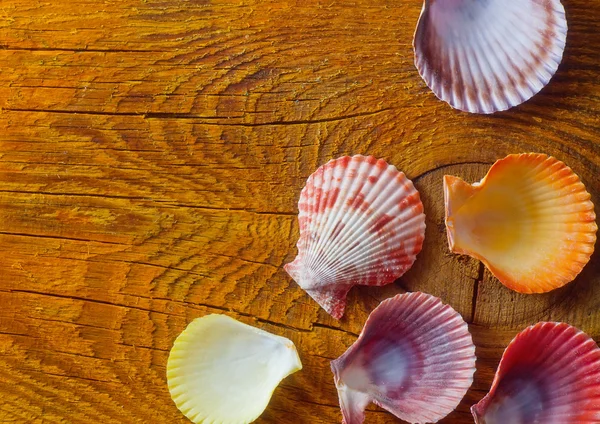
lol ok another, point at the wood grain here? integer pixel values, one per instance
(151, 156)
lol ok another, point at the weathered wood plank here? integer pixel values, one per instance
(151, 156)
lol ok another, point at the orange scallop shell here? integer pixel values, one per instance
(530, 221)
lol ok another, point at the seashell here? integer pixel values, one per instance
(484, 56)
(530, 221)
(549, 374)
(361, 222)
(414, 357)
(221, 371)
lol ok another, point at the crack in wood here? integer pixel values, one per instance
(145, 347)
(437, 168)
(8, 333)
(76, 50)
(370, 408)
(329, 327)
(310, 402)
(68, 376)
(239, 258)
(75, 112)
(191, 116)
(67, 194)
(478, 281)
(73, 323)
(84, 299)
(257, 319)
(273, 323)
(7, 233)
(209, 306)
(212, 208)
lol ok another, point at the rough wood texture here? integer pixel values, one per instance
(151, 156)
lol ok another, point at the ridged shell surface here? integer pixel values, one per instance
(361, 222)
(221, 371)
(415, 358)
(484, 56)
(530, 221)
(549, 374)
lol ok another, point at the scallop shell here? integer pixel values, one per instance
(549, 374)
(221, 371)
(530, 221)
(415, 358)
(361, 222)
(487, 56)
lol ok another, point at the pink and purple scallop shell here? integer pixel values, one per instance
(484, 56)
(415, 358)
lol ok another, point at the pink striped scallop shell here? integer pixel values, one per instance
(484, 56)
(549, 374)
(414, 357)
(361, 222)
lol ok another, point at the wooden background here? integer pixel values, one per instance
(151, 156)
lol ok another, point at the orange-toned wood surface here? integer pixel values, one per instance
(151, 156)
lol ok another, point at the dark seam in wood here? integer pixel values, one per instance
(329, 327)
(246, 260)
(104, 196)
(212, 208)
(478, 281)
(247, 315)
(75, 50)
(437, 168)
(73, 323)
(68, 376)
(303, 400)
(83, 299)
(144, 347)
(62, 238)
(166, 115)
(15, 334)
